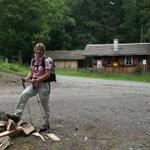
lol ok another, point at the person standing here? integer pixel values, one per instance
(38, 74)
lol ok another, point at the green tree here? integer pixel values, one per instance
(130, 25)
(22, 23)
(145, 20)
(61, 24)
(96, 21)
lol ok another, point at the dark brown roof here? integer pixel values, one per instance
(123, 49)
(66, 55)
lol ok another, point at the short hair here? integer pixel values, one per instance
(40, 45)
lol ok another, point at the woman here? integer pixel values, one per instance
(38, 74)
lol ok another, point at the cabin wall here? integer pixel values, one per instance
(66, 64)
(116, 64)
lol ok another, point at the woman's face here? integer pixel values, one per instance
(39, 52)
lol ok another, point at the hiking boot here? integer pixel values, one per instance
(13, 117)
(44, 128)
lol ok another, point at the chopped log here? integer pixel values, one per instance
(3, 123)
(4, 142)
(11, 125)
(6, 133)
(3, 126)
(19, 129)
(37, 134)
(28, 128)
(53, 137)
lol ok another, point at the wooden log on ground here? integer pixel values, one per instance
(19, 129)
(37, 134)
(28, 128)
(7, 133)
(53, 137)
(3, 126)
(3, 123)
(11, 125)
(4, 142)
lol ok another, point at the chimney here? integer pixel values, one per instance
(115, 44)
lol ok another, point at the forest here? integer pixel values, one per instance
(70, 25)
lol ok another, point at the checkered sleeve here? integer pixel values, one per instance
(47, 64)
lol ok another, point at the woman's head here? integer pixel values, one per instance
(39, 49)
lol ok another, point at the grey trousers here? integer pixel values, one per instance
(43, 90)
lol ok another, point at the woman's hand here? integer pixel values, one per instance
(35, 82)
(23, 79)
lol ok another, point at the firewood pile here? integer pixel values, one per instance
(8, 130)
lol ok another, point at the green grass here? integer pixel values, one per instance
(16, 68)
(112, 76)
(81, 73)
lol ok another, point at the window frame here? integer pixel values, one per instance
(109, 61)
(128, 60)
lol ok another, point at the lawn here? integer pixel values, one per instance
(112, 76)
(16, 68)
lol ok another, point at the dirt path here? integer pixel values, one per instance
(93, 114)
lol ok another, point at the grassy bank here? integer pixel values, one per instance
(16, 68)
(113, 76)
(81, 73)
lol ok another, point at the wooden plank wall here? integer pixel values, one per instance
(121, 68)
(66, 64)
(126, 69)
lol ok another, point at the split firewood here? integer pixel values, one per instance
(3, 126)
(4, 142)
(28, 128)
(53, 137)
(37, 134)
(19, 129)
(11, 125)
(7, 133)
(3, 123)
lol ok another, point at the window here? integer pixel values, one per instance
(128, 60)
(142, 60)
(109, 61)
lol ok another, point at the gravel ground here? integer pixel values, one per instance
(88, 113)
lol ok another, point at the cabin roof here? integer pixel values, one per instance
(123, 49)
(66, 55)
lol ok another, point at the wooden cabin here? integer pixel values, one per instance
(67, 59)
(120, 58)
